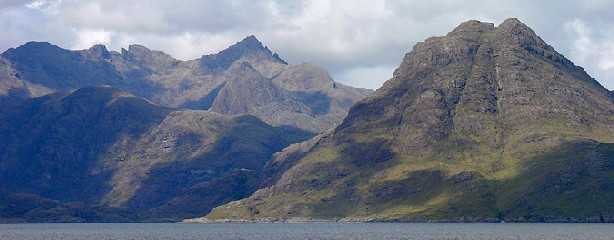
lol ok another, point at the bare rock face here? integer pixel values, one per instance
(306, 97)
(487, 123)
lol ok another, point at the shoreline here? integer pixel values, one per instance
(572, 220)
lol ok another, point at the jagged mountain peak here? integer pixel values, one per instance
(512, 31)
(138, 48)
(511, 39)
(98, 48)
(97, 51)
(142, 51)
(249, 47)
(473, 26)
(145, 57)
(514, 23)
(250, 42)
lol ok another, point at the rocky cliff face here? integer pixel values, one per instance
(484, 124)
(305, 95)
(101, 154)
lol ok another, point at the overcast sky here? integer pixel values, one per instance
(359, 42)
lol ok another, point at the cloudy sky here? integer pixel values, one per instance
(360, 42)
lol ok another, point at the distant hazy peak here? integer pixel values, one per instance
(97, 51)
(138, 48)
(136, 51)
(34, 47)
(98, 48)
(250, 42)
(250, 46)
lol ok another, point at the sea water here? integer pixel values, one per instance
(137, 231)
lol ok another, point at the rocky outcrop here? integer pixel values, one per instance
(305, 95)
(487, 123)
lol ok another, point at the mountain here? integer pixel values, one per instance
(246, 78)
(484, 124)
(99, 154)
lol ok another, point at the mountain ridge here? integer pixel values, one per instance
(99, 154)
(38, 68)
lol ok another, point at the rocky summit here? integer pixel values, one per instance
(99, 154)
(488, 123)
(246, 78)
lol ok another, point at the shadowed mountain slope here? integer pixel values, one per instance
(100, 154)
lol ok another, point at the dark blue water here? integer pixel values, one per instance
(308, 231)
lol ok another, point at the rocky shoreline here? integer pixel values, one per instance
(550, 219)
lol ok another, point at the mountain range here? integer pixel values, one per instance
(488, 123)
(246, 78)
(103, 136)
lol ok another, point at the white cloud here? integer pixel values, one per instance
(582, 47)
(371, 77)
(606, 62)
(36, 4)
(87, 38)
(592, 49)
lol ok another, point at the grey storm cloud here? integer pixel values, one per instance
(166, 17)
(7, 4)
(360, 42)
